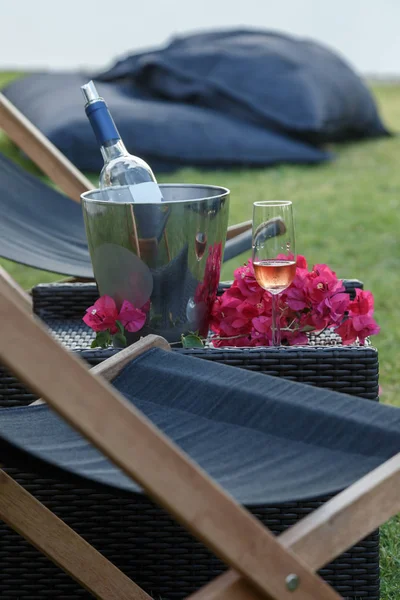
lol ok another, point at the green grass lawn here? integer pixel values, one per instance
(348, 216)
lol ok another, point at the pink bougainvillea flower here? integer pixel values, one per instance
(363, 303)
(315, 300)
(360, 323)
(225, 306)
(247, 282)
(301, 262)
(329, 312)
(146, 307)
(365, 325)
(232, 326)
(262, 324)
(248, 310)
(359, 328)
(259, 338)
(322, 282)
(261, 334)
(337, 305)
(296, 338)
(232, 297)
(226, 320)
(296, 297)
(102, 315)
(317, 321)
(131, 318)
(347, 332)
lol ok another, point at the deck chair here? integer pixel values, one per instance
(41, 227)
(343, 428)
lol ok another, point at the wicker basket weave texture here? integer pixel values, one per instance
(150, 547)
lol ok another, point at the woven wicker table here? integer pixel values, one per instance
(136, 535)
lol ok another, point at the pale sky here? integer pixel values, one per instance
(69, 34)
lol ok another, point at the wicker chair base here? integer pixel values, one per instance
(145, 543)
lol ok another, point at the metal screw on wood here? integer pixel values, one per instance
(292, 582)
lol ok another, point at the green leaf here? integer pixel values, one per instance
(307, 328)
(192, 340)
(156, 321)
(119, 340)
(120, 327)
(102, 340)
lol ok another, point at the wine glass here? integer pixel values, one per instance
(274, 253)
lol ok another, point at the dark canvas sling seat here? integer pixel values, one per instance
(42, 228)
(268, 441)
(265, 439)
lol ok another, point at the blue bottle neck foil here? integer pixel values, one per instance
(102, 122)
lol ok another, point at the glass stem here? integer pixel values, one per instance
(276, 328)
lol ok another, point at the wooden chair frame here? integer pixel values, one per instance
(262, 566)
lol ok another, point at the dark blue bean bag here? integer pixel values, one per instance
(168, 135)
(221, 99)
(296, 86)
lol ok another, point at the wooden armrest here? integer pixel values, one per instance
(237, 229)
(41, 151)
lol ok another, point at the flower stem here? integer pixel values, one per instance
(232, 337)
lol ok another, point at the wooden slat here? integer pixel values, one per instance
(347, 518)
(229, 586)
(62, 545)
(327, 532)
(110, 368)
(75, 280)
(122, 433)
(41, 151)
(237, 229)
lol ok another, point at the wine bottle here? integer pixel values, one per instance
(120, 167)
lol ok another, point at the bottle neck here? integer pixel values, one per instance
(107, 135)
(113, 149)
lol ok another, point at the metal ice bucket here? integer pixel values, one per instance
(170, 253)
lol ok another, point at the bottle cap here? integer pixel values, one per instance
(89, 92)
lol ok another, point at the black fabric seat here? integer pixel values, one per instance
(44, 229)
(40, 227)
(264, 439)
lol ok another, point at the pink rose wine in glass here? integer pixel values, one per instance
(275, 275)
(274, 258)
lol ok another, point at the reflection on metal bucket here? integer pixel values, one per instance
(169, 252)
